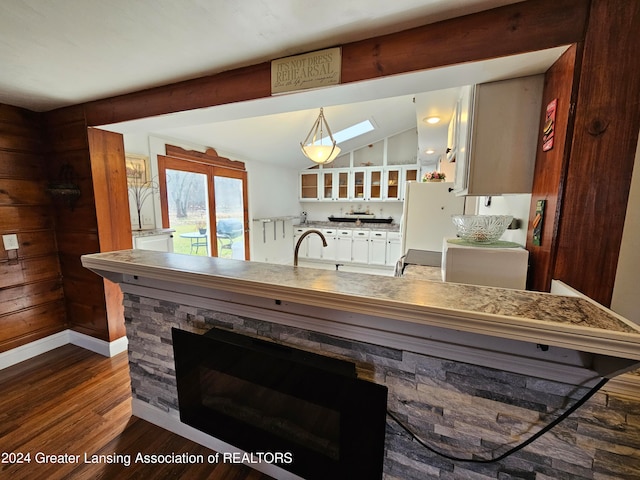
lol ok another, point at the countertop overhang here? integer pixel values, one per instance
(541, 318)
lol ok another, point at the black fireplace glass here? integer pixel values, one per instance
(262, 396)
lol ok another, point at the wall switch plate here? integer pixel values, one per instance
(10, 242)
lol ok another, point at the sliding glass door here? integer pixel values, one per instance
(206, 205)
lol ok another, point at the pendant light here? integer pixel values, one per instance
(312, 146)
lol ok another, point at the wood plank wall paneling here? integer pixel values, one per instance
(549, 170)
(66, 135)
(22, 297)
(24, 192)
(31, 292)
(605, 137)
(33, 323)
(19, 164)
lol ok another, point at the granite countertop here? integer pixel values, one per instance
(391, 227)
(422, 272)
(569, 322)
(151, 231)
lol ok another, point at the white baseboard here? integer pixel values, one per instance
(106, 349)
(43, 345)
(170, 422)
(33, 349)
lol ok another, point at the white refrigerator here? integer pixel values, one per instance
(426, 216)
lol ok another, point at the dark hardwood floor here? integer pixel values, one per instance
(70, 402)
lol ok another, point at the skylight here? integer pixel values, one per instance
(351, 132)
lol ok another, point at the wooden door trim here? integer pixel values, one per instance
(177, 164)
(209, 157)
(212, 171)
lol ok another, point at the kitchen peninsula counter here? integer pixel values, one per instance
(384, 306)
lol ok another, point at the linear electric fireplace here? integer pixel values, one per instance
(265, 397)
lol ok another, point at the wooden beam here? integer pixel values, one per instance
(513, 29)
(227, 87)
(518, 28)
(605, 137)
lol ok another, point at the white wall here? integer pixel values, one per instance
(516, 205)
(273, 208)
(320, 211)
(139, 144)
(626, 300)
(273, 191)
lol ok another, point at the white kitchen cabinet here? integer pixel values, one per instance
(376, 184)
(314, 246)
(335, 185)
(409, 174)
(329, 252)
(362, 184)
(463, 140)
(452, 133)
(349, 245)
(344, 239)
(303, 250)
(497, 136)
(360, 246)
(309, 186)
(311, 246)
(394, 247)
(487, 266)
(377, 247)
(156, 240)
(393, 183)
(367, 184)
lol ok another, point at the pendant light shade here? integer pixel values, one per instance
(313, 147)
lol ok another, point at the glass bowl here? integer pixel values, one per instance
(481, 229)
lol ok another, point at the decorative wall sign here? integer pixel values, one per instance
(310, 70)
(537, 222)
(548, 131)
(137, 169)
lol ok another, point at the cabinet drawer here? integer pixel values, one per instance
(361, 234)
(345, 233)
(376, 235)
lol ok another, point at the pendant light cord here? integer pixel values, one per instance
(513, 450)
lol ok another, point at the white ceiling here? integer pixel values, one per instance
(57, 53)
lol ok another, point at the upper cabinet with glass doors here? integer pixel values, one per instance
(335, 184)
(376, 172)
(395, 180)
(309, 182)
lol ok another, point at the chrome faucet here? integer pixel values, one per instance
(308, 232)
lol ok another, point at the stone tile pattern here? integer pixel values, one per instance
(464, 410)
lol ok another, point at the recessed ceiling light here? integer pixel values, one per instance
(431, 120)
(430, 151)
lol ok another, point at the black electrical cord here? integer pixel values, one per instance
(513, 450)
